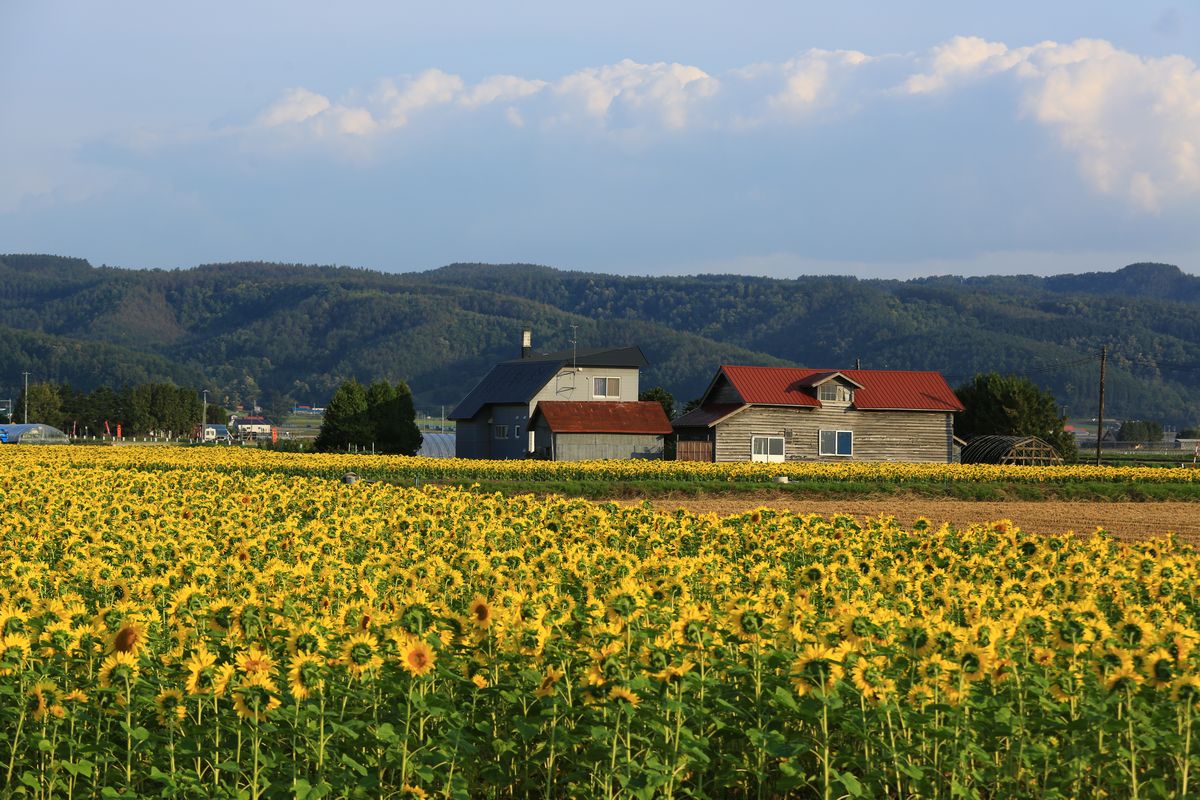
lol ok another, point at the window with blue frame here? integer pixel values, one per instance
(836, 443)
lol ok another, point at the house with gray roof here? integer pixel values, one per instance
(492, 421)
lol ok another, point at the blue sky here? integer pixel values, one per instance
(868, 138)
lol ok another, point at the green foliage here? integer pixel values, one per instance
(1006, 405)
(660, 395)
(1190, 433)
(393, 418)
(346, 420)
(1136, 430)
(43, 404)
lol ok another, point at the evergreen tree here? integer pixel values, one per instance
(346, 421)
(660, 395)
(382, 409)
(410, 438)
(1006, 405)
(1135, 430)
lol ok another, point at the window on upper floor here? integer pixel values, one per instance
(833, 393)
(606, 387)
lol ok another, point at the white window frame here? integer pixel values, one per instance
(767, 457)
(836, 435)
(841, 394)
(500, 431)
(608, 384)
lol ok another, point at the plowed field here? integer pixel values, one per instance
(1124, 520)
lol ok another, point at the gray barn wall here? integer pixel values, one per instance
(475, 438)
(878, 435)
(592, 446)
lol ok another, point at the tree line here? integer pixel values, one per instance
(146, 409)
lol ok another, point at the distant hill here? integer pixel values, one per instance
(285, 331)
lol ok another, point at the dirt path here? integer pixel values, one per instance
(1126, 520)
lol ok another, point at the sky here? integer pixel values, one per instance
(877, 139)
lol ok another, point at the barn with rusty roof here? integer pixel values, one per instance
(777, 414)
(571, 430)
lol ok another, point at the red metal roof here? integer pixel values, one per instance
(582, 416)
(881, 388)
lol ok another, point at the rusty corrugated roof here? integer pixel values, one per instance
(882, 389)
(583, 416)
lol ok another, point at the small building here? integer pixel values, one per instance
(493, 420)
(250, 427)
(572, 430)
(436, 445)
(1023, 450)
(215, 433)
(32, 433)
(778, 414)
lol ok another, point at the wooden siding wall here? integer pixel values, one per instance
(878, 435)
(723, 392)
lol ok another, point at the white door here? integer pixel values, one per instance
(768, 449)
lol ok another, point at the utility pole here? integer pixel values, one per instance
(1100, 414)
(26, 374)
(203, 416)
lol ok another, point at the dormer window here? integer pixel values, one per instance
(833, 393)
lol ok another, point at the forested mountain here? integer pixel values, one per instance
(271, 331)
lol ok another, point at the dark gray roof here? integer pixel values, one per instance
(508, 382)
(592, 357)
(518, 380)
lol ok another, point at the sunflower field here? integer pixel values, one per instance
(202, 625)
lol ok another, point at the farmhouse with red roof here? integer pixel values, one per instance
(776, 414)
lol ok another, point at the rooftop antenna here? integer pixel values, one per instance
(574, 345)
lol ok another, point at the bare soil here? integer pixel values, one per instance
(1123, 520)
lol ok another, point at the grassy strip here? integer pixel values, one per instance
(954, 490)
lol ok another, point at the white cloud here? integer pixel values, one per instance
(1131, 123)
(961, 57)
(500, 88)
(296, 105)
(638, 94)
(431, 88)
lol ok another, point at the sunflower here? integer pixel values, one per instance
(974, 662)
(305, 638)
(1187, 689)
(417, 657)
(360, 654)
(255, 696)
(119, 666)
(129, 638)
(42, 697)
(479, 612)
(868, 676)
(306, 675)
(14, 649)
(222, 616)
(549, 681)
(169, 707)
(620, 693)
(817, 668)
(1124, 678)
(255, 659)
(201, 667)
(1160, 666)
(480, 680)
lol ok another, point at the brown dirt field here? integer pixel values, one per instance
(1123, 520)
